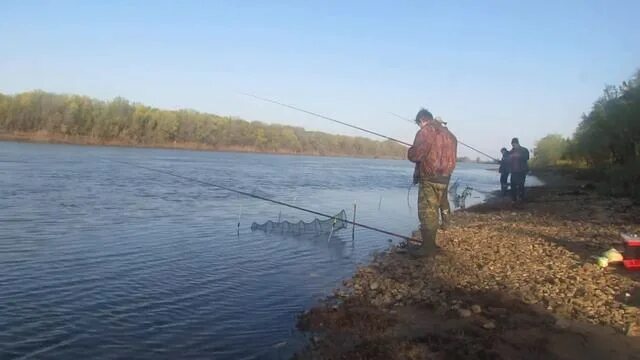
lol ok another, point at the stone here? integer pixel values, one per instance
(476, 309)
(464, 313)
(563, 309)
(489, 325)
(498, 311)
(633, 329)
(374, 286)
(562, 324)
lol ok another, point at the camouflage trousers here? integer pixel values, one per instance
(432, 199)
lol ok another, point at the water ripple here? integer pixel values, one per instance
(101, 260)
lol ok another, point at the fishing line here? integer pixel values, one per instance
(459, 142)
(240, 215)
(354, 126)
(324, 117)
(266, 199)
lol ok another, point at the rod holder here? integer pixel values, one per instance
(353, 225)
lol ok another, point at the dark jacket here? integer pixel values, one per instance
(504, 164)
(518, 160)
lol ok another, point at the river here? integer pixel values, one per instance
(100, 259)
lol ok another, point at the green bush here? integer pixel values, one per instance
(607, 140)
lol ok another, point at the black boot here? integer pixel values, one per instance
(446, 220)
(428, 246)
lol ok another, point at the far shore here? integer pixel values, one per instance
(39, 138)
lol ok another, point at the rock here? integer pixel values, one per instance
(489, 325)
(564, 309)
(476, 309)
(464, 313)
(374, 286)
(562, 324)
(633, 329)
(498, 311)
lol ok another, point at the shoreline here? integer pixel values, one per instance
(509, 283)
(35, 138)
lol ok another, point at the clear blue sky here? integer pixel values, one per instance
(493, 70)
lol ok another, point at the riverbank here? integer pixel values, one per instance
(47, 138)
(509, 283)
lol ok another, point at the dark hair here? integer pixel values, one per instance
(503, 149)
(515, 141)
(423, 113)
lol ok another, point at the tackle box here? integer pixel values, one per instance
(631, 246)
(633, 264)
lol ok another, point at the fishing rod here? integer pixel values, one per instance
(459, 142)
(353, 126)
(266, 199)
(324, 117)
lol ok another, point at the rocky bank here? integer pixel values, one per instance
(509, 283)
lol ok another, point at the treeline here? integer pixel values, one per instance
(82, 119)
(606, 141)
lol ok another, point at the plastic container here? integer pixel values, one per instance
(632, 264)
(631, 246)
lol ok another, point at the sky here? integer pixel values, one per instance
(491, 69)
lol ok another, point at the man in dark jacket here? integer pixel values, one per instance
(519, 167)
(504, 171)
(434, 151)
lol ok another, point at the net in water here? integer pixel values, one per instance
(459, 200)
(300, 228)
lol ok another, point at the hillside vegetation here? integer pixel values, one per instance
(79, 119)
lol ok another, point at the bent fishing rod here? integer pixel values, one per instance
(351, 126)
(206, 183)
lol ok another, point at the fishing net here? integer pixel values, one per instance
(299, 228)
(459, 199)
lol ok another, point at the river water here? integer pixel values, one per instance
(100, 259)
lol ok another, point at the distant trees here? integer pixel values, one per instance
(610, 133)
(119, 121)
(607, 139)
(549, 151)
